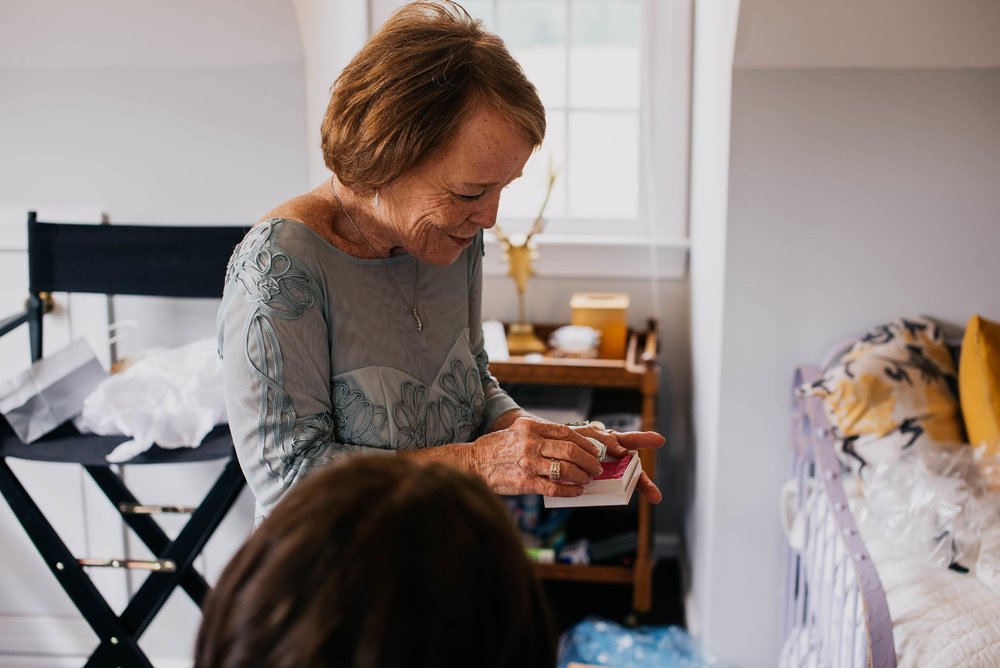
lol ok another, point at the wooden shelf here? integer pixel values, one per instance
(638, 371)
(609, 574)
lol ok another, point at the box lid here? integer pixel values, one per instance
(599, 300)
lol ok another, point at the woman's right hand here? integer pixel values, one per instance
(518, 459)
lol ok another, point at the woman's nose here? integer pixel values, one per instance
(485, 215)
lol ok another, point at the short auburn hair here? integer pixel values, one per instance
(381, 562)
(404, 94)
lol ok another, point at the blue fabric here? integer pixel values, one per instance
(602, 643)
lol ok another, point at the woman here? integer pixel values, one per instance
(350, 322)
(380, 563)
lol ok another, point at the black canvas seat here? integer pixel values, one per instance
(165, 261)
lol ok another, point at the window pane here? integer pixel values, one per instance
(604, 52)
(535, 33)
(523, 198)
(603, 169)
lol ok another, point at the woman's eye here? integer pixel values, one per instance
(469, 198)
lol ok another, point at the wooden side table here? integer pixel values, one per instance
(638, 371)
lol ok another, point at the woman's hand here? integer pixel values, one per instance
(518, 459)
(620, 442)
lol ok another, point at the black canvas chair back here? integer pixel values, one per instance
(163, 261)
(146, 260)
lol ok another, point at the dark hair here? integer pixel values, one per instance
(380, 562)
(404, 94)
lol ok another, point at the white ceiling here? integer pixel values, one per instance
(147, 33)
(868, 34)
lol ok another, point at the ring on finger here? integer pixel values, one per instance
(602, 450)
(596, 424)
(555, 469)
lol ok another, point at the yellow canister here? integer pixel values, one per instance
(606, 312)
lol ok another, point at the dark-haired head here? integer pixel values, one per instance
(380, 562)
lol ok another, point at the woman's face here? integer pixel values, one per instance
(435, 211)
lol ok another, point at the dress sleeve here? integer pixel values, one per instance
(274, 343)
(498, 402)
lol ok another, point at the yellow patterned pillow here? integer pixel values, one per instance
(979, 382)
(894, 387)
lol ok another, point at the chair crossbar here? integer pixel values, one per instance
(13, 322)
(142, 509)
(118, 646)
(119, 634)
(155, 565)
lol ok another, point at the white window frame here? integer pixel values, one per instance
(661, 251)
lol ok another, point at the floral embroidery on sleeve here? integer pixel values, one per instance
(268, 279)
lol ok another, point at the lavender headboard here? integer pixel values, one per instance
(833, 591)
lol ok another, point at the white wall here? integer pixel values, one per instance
(856, 194)
(714, 39)
(331, 34)
(159, 112)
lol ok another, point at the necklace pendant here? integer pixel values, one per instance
(420, 325)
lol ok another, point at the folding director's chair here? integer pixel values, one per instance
(174, 261)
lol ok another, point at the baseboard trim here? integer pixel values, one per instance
(45, 636)
(39, 641)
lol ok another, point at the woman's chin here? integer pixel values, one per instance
(445, 252)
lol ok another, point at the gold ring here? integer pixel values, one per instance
(555, 469)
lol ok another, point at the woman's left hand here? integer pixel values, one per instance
(620, 442)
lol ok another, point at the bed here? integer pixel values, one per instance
(850, 598)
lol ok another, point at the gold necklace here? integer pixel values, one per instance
(416, 264)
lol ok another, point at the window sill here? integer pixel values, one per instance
(594, 256)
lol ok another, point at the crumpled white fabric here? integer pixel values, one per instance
(936, 503)
(169, 396)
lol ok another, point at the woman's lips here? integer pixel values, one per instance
(462, 241)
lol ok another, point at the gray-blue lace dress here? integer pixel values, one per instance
(322, 359)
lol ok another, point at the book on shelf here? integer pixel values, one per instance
(613, 487)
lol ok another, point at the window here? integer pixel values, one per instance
(592, 62)
(584, 57)
(614, 76)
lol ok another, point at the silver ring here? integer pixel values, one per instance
(602, 450)
(596, 424)
(555, 469)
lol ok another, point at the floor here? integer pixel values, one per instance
(573, 601)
